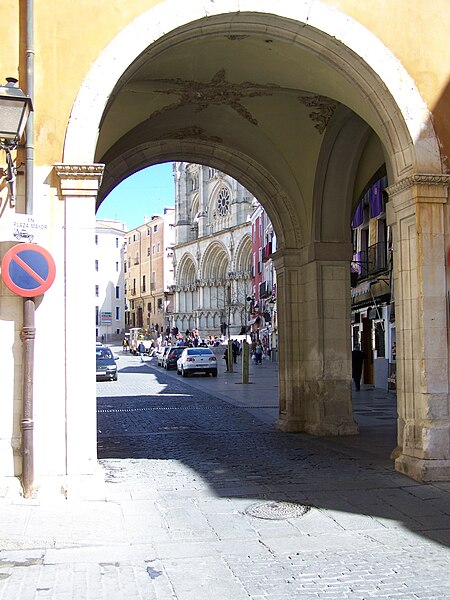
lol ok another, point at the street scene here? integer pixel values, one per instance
(206, 499)
(244, 207)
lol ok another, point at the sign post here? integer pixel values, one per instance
(28, 270)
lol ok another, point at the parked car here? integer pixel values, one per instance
(169, 360)
(197, 360)
(106, 364)
(160, 355)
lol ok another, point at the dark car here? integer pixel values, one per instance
(170, 359)
(106, 364)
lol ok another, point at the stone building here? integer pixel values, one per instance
(262, 316)
(302, 103)
(109, 281)
(373, 325)
(212, 256)
(148, 271)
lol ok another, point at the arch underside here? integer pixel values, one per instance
(302, 108)
(186, 271)
(236, 93)
(215, 263)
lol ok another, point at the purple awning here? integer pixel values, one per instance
(376, 200)
(358, 217)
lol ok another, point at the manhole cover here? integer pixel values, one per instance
(277, 510)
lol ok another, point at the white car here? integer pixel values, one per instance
(160, 354)
(197, 360)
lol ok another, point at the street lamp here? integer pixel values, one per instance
(15, 108)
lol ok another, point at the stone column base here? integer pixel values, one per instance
(54, 487)
(422, 469)
(318, 429)
(10, 487)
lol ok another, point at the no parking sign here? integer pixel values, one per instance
(28, 270)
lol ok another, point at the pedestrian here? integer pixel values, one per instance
(141, 350)
(258, 353)
(358, 357)
(225, 356)
(235, 350)
(125, 344)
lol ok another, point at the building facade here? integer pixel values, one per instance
(373, 308)
(109, 280)
(263, 302)
(148, 271)
(301, 102)
(212, 255)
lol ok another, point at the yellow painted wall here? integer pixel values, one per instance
(70, 35)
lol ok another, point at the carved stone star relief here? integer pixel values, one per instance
(202, 94)
(194, 132)
(325, 110)
(220, 92)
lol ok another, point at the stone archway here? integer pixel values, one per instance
(374, 96)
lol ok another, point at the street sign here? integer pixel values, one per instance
(28, 270)
(18, 227)
(106, 318)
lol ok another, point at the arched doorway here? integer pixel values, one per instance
(298, 115)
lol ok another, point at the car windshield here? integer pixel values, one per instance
(198, 351)
(103, 353)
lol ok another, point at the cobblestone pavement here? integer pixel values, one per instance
(205, 500)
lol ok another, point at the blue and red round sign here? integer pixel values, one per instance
(28, 270)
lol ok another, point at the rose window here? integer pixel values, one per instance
(223, 202)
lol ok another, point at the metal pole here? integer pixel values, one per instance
(29, 145)
(28, 335)
(230, 356)
(229, 308)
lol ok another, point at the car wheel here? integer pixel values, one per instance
(214, 373)
(183, 373)
(115, 378)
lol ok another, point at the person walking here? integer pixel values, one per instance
(225, 356)
(358, 357)
(235, 349)
(258, 353)
(141, 350)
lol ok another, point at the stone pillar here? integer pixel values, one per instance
(78, 187)
(313, 298)
(182, 224)
(201, 295)
(202, 205)
(419, 216)
(181, 307)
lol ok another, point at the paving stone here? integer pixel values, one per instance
(184, 460)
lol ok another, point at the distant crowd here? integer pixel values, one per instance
(192, 339)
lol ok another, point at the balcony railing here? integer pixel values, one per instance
(371, 261)
(266, 252)
(265, 290)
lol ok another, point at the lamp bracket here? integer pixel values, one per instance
(7, 146)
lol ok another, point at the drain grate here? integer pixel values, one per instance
(277, 511)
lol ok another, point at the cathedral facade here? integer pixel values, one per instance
(213, 248)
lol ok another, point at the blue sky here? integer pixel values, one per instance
(144, 193)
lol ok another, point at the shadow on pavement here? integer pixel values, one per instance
(240, 456)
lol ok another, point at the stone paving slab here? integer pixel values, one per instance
(178, 521)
